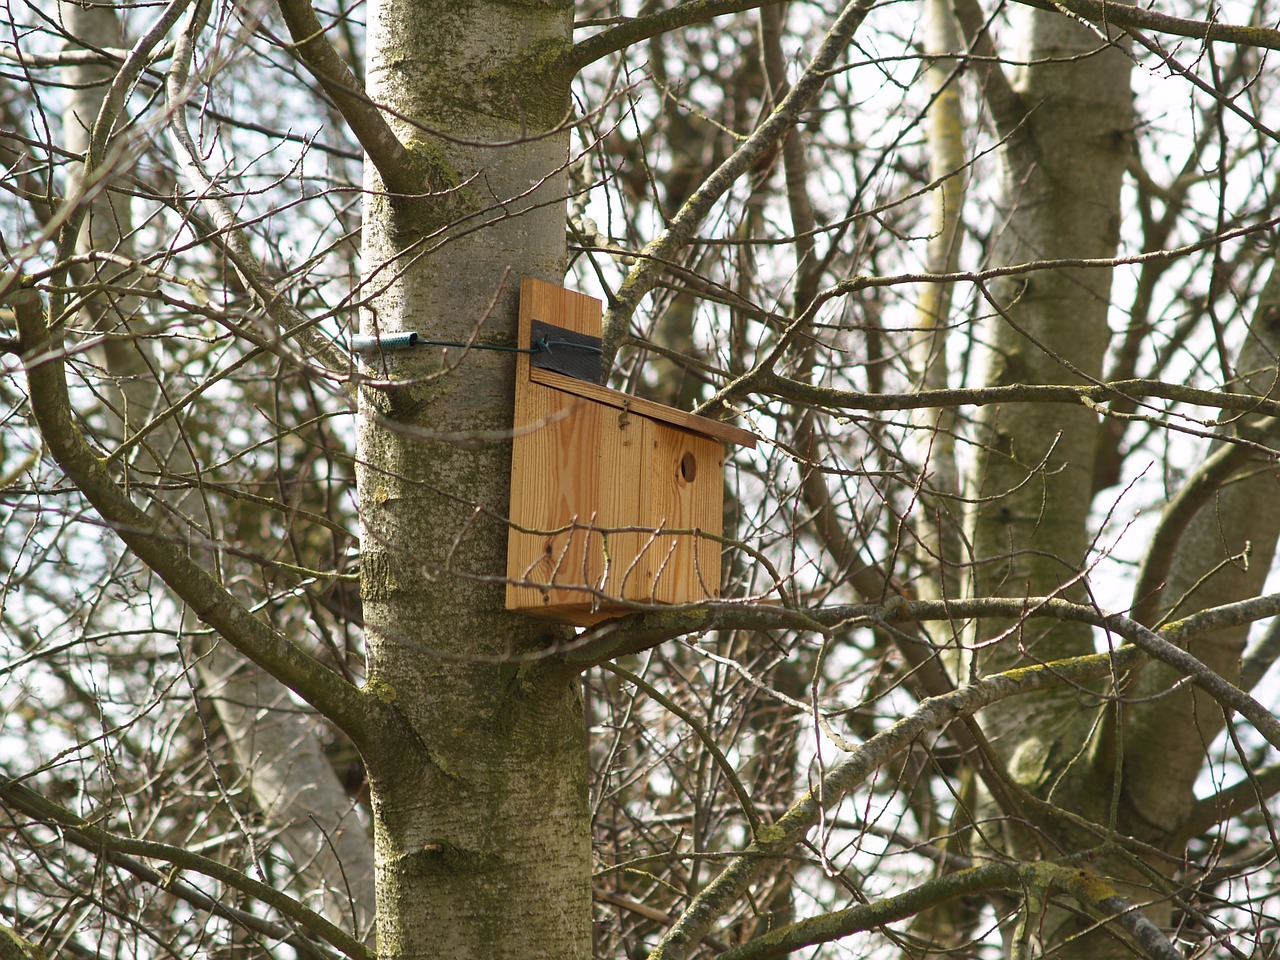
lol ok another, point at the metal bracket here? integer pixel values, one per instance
(575, 355)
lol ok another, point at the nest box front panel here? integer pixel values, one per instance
(618, 523)
(682, 489)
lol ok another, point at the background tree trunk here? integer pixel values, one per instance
(1059, 197)
(1222, 555)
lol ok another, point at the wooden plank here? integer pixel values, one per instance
(610, 478)
(544, 301)
(562, 428)
(550, 476)
(621, 465)
(647, 408)
(685, 492)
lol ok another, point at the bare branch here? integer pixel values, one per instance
(853, 769)
(1007, 108)
(631, 634)
(651, 25)
(231, 237)
(1247, 794)
(366, 119)
(1124, 15)
(1088, 396)
(95, 839)
(644, 275)
(361, 716)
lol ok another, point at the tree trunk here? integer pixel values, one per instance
(1223, 555)
(1060, 197)
(481, 824)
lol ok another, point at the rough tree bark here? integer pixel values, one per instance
(481, 823)
(1066, 118)
(1060, 197)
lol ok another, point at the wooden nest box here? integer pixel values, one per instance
(614, 499)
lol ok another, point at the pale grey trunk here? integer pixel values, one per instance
(273, 738)
(481, 823)
(939, 550)
(940, 544)
(283, 765)
(1060, 197)
(1223, 556)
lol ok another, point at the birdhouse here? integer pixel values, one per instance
(615, 500)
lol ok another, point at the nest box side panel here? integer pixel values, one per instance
(555, 476)
(553, 488)
(683, 482)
